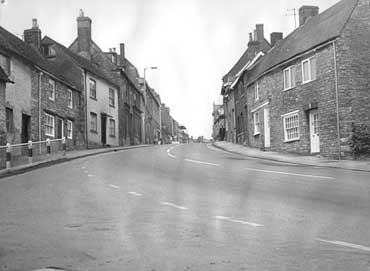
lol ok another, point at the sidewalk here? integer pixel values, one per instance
(42, 161)
(293, 158)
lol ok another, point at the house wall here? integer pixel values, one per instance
(98, 106)
(230, 118)
(18, 97)
(353, 61)
(3, 140)
(60, 110)
(320, 92)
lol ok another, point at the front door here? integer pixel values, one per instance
(266, 124)
(60, 128)
(25, 128)
(103, 129)
(314, 131)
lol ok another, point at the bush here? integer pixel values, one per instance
(360, 140)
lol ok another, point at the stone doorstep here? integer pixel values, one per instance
(303, 160)
(60, 158)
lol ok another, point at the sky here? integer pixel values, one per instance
(192, 42)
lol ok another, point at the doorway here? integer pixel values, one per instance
(314, 131)
(266, 124)
(103, 129)
(25, 136)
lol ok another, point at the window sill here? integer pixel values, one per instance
(113, 106)
(70, 138)
(93, 131)
(287, 89)
(50, 99)
(92, 98)
(306, 82)
(291, 140)
(257, 134)
(52, 136)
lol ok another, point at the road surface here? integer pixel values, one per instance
(184, 207)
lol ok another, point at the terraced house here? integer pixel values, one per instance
(42, 103)
(310, 91)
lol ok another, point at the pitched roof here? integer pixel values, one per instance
(4, 76)
(15, 45)
(84, 63)
(319, 29)
(247, 56)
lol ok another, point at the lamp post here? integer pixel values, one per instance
(147, 68)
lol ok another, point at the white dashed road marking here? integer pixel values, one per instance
(225, 218)
(114, 186)
(345, 244)
(202, 162)
(135, 194)
(174, 205)
(289, 173)
(90, 175)
(171, 155)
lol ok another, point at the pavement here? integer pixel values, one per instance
(293, 158)
(184, 207)
(47, 160)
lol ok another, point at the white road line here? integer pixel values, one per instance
(201, 162)
(135, 194)
(114, 186)
(169, 152)
(174, 205)
(345, 244)
(90, 175)
(238, 221)
(83, 167)
(289, 173)
(171, 155)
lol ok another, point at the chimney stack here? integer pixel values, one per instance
(275, 37)
(33, 36)
(84, 35)
(306, 12)
(122, 54)
(259, 32)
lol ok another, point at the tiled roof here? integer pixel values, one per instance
(319, 29)
(15, 45)
(243, 60)
(4, 77)
(84, 63)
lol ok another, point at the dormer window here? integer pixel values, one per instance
(49, 50)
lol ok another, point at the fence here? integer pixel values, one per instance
(24, 153)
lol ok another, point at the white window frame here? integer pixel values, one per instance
(285, 117)
(291, 77)
(112, 128)
(70, 98)
(256, 91)
(112, 99)
(90, 81)
(256, 123)
(52, 91)
(311, 76)
(52, 125)
(69, 122)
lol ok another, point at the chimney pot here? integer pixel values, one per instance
(34, 23)
(250, 37)
(306, 12)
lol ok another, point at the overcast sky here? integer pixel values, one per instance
(193, 42)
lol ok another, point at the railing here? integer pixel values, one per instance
(20, 153)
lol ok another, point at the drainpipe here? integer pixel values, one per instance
(39, 106)
(337, 96)
(86, 132)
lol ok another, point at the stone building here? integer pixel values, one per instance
(41, 103)
(257, 47)
(218, 131)
(309, 91)
(166, 124)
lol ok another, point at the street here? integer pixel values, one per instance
(184, 207)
